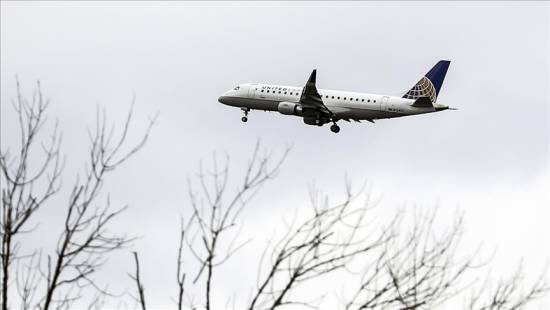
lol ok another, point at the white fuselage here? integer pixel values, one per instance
(344, 104)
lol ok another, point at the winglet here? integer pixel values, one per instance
(313, 77)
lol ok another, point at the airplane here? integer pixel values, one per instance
(321, 106)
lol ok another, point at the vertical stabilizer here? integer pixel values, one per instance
(430, 84)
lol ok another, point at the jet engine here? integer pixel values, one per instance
(290, 108)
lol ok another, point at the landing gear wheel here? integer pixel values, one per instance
(335, 128)
(245, 118)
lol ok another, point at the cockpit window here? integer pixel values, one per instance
(236, 88)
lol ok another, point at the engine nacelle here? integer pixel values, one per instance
(290, 108)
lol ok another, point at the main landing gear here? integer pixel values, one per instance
(245, 117)
(335, 128)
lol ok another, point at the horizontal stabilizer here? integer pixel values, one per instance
(423, 102)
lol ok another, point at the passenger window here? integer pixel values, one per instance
(374, 101)
(369, 100)
(344, 98)
(363, 100)
(356, 99)
(338, 97)
(279, 92)
(285, 92)
(262, 90)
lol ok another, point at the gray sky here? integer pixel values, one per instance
(489, 158)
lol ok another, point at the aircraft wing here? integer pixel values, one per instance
(311, 99)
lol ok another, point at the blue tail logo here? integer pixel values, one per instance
(430, 84)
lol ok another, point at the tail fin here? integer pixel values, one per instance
(430, 84)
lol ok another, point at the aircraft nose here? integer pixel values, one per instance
(222, 99)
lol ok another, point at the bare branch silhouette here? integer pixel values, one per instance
(418, 269)
(180, 273)
(28, 279)
(139, 285)
(20, 196)
(84, 241)
(509, 293)
(327, 241)
(404, 268)
(215, 216)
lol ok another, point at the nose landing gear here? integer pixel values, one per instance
(245, 117)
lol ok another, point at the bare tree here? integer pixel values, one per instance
(419, 269)
(215, 216)
(20, 198)
(403, 266)
(211, 233)
(407, 263)
(84, 240)
(327, 241)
